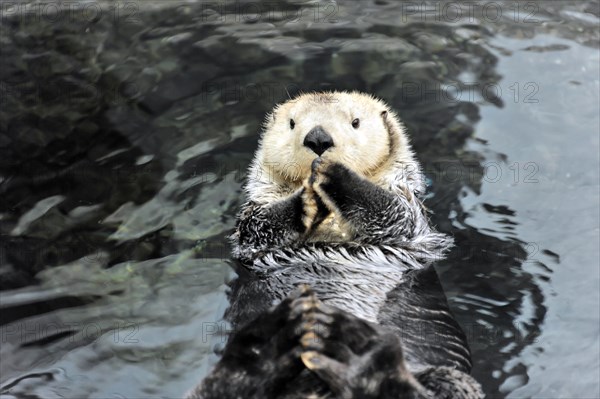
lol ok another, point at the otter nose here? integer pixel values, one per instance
(318, 140)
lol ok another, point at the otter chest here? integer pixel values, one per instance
(331, 229)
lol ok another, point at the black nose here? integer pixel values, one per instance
(318, 140)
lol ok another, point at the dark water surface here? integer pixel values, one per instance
(126, 128)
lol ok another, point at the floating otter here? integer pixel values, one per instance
(333, 208)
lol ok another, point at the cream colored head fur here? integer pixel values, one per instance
(377, 149)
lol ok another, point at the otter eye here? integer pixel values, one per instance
(356, 123)
(292, 124)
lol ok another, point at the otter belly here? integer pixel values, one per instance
(351, 277)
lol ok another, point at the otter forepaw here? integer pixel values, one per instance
(314, 169)
(314, 210)
(320, 170)
(310, 207)
(324, 174)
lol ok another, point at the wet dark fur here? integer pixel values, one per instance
(320, 348)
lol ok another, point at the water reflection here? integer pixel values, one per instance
(123, 146)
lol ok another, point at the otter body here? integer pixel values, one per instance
(333, 207)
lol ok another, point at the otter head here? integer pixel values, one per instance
(354, 129)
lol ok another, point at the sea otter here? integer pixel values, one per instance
(337, 296)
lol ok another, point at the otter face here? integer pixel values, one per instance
(349, 128)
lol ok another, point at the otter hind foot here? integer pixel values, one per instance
(262, 357)
(355, 358)
(352, 358)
